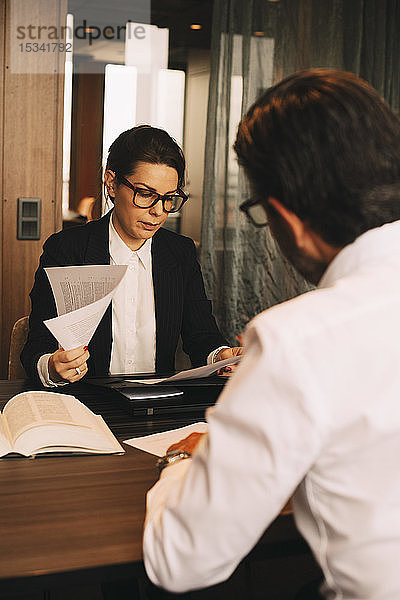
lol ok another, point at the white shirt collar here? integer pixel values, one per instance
(368, 248)
(122, 255)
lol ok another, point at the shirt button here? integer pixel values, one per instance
(130, 362)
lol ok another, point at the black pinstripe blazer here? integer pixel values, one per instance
(181, 305)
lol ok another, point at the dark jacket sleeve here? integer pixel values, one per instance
(200, 334)
(56, 252)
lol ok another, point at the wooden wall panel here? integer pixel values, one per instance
(2, 75)
(32, 150)
(87, 137)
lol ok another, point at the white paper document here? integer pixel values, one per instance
(82, 295)
(197, 373)
(158, 443)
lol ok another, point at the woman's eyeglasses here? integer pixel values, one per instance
(145, 198)
(255, 212)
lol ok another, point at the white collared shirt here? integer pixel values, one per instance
(133, 313)
(313, 409)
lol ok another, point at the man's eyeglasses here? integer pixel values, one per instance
(255, 212)
(145, 198)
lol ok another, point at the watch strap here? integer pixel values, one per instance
(171, 458)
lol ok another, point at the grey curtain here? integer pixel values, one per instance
(256, 43)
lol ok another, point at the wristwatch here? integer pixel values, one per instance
(171, 457)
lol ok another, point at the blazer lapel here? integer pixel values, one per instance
(97, 249)
(168, 298)
(97, 253)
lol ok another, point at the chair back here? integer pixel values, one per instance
(19, 334)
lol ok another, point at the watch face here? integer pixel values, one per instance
(173, 453)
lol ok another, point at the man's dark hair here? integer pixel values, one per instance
(326, 145)
(145, 144)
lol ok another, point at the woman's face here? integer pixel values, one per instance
(136, 225)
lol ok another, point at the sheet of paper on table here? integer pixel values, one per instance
(197, 373)
(158, 443)
(82, 295)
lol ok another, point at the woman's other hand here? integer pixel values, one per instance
(68, 365)
(228, 353)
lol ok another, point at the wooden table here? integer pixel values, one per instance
(79, 520)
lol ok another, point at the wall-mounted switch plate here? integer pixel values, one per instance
(29, 218)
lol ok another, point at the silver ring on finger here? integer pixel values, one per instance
(77, 369)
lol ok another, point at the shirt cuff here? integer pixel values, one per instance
(43, 372)
(176, 473)
(211, 358)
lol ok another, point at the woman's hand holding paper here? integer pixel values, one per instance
(68, 365)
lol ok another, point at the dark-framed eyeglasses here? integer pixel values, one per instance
(255, 212)
(145, 198)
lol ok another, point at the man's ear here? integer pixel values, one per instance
(306, 240)
(109, 180)
(295, 224)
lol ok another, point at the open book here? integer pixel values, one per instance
(39, 422)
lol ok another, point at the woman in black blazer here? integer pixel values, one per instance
(144, 176)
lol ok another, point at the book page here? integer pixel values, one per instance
(75, 287)
(35, 409)
(158, 443)
(67, 438)
(5, 445)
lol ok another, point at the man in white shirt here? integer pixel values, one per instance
(313, 410)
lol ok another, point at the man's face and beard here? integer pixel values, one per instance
(308, 266)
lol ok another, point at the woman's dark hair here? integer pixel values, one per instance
(145, 144)
(325, 144)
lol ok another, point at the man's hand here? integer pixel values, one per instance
(228, 353)
(188, 444)
(68, 365)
